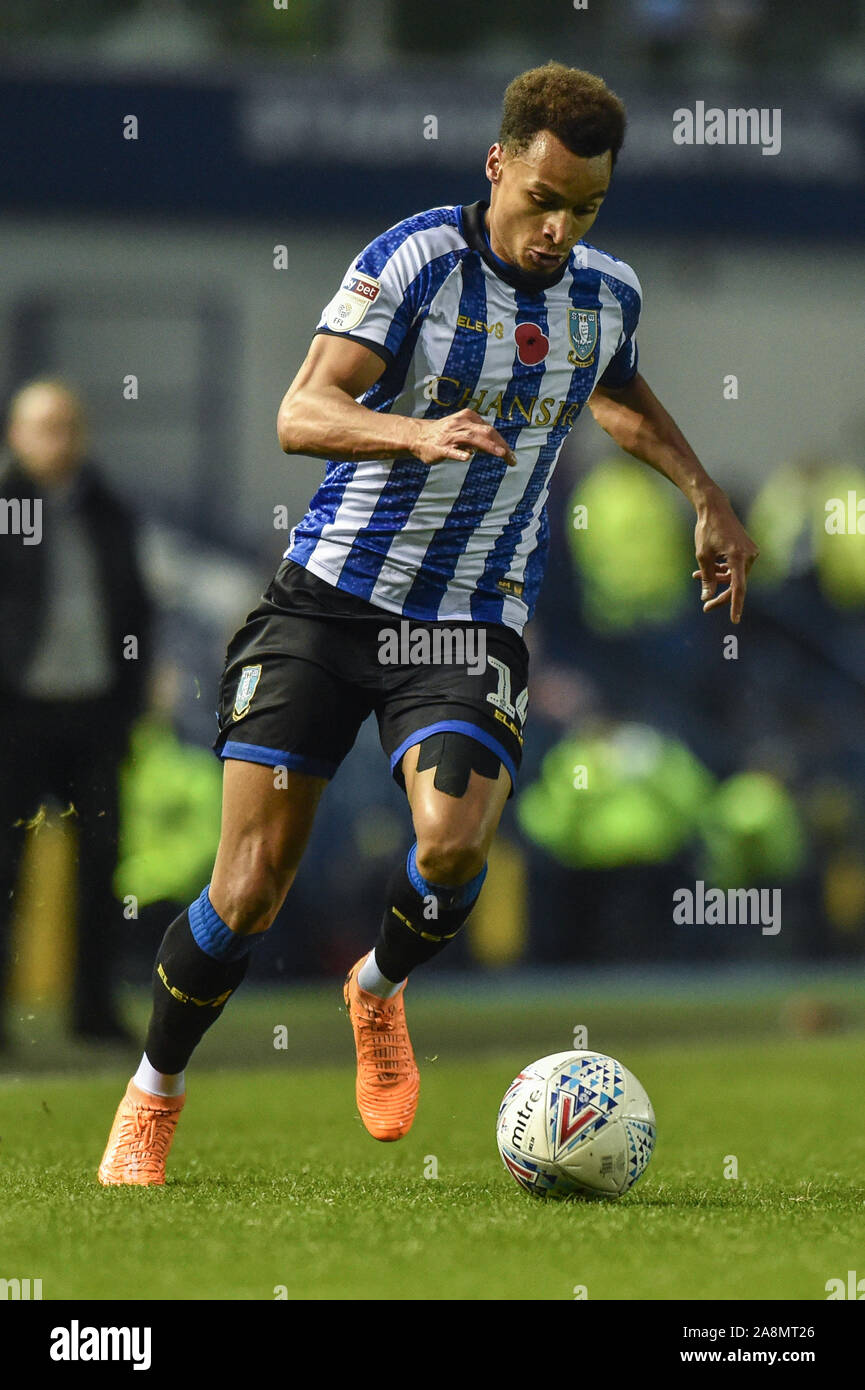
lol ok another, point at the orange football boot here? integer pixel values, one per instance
(140, 1138)
(388, 1081)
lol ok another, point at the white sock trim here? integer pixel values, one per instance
(158, 1083)
(371, 980)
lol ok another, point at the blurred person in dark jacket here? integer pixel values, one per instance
(75, 623)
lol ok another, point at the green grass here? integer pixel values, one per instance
(274, 1182)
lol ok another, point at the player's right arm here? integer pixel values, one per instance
(321, 416)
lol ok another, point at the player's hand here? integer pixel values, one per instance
(725, 554)
(458, 437)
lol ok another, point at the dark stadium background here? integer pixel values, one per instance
(262, 128)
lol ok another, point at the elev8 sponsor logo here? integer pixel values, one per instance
(77, 1343)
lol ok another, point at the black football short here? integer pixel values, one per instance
(312, 662)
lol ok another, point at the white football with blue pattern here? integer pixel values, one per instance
(576, 1124)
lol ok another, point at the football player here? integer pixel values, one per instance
(444, 375)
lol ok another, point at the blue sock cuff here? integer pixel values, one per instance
(211, 934)
(462, 896)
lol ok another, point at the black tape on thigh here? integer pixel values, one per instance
(454, 757)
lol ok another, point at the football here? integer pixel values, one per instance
(576, 1124)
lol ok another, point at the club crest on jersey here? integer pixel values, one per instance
(583, 328)
(349, 305)
(246, 686)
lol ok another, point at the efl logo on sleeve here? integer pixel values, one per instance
(349, 305)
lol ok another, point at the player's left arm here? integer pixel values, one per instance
(634, 417)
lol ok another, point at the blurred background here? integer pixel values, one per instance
(183, 183)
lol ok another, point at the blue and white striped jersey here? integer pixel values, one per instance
(459, 328)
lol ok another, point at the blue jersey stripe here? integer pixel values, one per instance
(421, 291)
(375, 257)
(322, 510)
(393, 506)
(484, 477)
(536, 564)
(389, 515)
(372, 543)
(382, 394)
(488, 599)
(627, 297)
(624, 364)
(464, 363)
(486, 604)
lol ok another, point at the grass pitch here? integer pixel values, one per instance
(275, 1189)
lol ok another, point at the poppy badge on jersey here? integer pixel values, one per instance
(349, 305)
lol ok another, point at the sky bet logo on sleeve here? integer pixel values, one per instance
(363, 285)
(349, 305)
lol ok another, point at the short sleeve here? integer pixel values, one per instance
(622, 366)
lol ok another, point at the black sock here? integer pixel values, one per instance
(421, 918)
(190, 990)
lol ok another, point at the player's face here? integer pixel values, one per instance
(543, 201)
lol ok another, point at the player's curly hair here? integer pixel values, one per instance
(576, 106)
